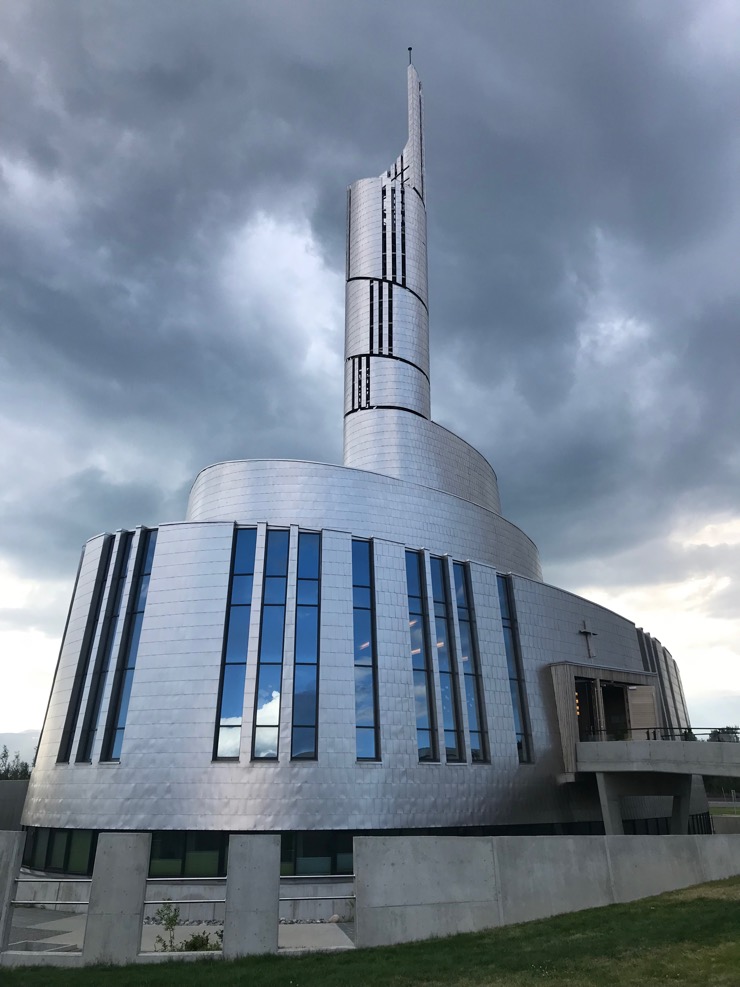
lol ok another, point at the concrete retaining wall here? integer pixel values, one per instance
(69, 895)
(418, 887)
(12, 798)
(726, 824)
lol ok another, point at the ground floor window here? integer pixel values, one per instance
(176, 853)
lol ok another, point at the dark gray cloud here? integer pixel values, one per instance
(583, 214)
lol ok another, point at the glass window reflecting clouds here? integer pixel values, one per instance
(233, 670)
(513, 661)
(127, 659)
(366, 706)
(270, 673)
(306, 668)
(446, 661)
(105, 648)
(426, 740)
(477, 735)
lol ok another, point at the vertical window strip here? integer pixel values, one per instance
(383, 233)
(403, 232)
(367, 744)
(470, 661)
(127, 658)
(272, 633)
(349, 231)
(303, 744)
(367, 381)
(448, 681)
(390, 319)
(227, 740)
(372, 317)
(513, 661)
(380, 316)
(421, 142)
(393, 234)
(74, 705)
(105, 648)
(426, 738)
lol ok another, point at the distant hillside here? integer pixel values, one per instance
(25, 743)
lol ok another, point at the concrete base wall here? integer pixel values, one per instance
(11, 850)
(418, 887)
(252, 893)
(726, 824)
(12, 799)
(116, 909)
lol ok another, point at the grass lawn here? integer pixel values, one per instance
(689, 937)
(724, 810)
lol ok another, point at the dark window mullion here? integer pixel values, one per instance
(111, 623)
(102, 577)
(516, 677)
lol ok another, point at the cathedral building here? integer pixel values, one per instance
(321, 651)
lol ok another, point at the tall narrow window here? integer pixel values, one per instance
(88, 638)
(513, 660)
(105, 648)
(270, 669)
(425, 727)
(363, 615)
(127, 658)
(306, 668)
(471, 668)
(446, 661)
(234, 662)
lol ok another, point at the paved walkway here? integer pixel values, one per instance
(44, 929)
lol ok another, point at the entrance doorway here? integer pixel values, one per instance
(585, 710)
(616, 721)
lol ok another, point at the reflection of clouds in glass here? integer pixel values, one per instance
(231, 721)
(228, 742)
(268, 714)
(265, 742)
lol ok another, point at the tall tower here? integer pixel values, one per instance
(387, 410)
(386, 316)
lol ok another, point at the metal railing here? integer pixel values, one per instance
(184, 901)
(710, 734)
(52, 880)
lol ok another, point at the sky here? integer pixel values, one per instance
(172, 218)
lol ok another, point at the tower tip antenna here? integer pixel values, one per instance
(409, 54)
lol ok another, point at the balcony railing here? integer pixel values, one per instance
(711, 734)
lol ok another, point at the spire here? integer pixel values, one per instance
(413, 153)
(386, 318)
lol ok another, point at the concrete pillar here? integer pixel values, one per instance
(610, 808)
(11, 853)
(252, 895)
(681, 806)
(116, 909)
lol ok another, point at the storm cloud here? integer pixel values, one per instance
(172, 195)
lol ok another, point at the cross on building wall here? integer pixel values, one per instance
(588, 634)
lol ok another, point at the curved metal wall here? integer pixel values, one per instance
(419, 451)
(167, 778)
(315, 495)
